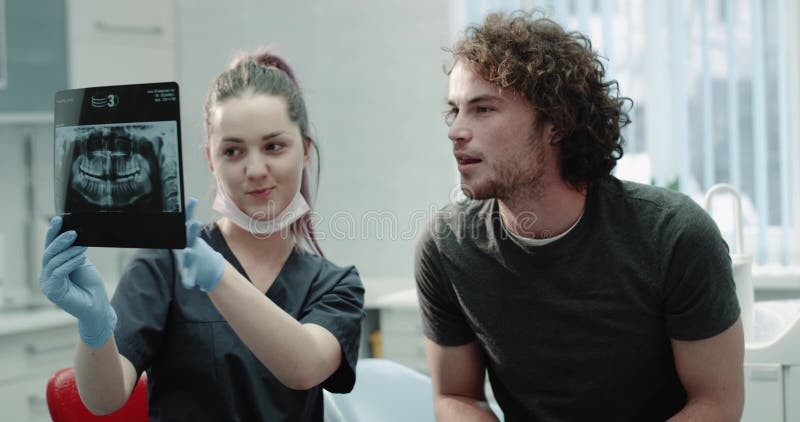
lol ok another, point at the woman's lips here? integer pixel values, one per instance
(260, 193)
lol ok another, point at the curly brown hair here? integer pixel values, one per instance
(562, 77)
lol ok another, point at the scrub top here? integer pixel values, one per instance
(198, 369)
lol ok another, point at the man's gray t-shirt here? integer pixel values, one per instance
(579, 329)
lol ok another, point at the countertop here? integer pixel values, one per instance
(16, 321)
(377, 289)
(379, 293)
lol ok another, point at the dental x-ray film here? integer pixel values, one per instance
(118, 168)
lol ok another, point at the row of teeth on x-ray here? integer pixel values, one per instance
(106, 190)
(103, 167)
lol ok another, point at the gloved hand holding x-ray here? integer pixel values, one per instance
(199, 264)
(72, 282)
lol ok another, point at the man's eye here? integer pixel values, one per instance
(484, 109)
(274, 147)
(450, 116)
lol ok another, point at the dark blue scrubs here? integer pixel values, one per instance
(198, 369)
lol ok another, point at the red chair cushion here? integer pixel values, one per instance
(66, 406)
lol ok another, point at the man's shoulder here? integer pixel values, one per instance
(658, 196)
(655, 207)
(455, 227)
(458, 219)
(647, 198)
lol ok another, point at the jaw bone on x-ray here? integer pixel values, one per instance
(122, 167)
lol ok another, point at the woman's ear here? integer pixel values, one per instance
(306, 151)
(207, 151)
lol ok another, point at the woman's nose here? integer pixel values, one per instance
(256, 167)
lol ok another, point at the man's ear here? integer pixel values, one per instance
(207, 151)
(554, 134)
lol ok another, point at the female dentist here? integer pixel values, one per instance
(250, 321)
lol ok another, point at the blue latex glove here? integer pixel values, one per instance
(72, 282)
(200, 265)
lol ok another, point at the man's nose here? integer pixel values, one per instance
(459, 132)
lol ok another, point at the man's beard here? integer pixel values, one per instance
(506, 178)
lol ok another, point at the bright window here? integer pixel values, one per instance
(716, 100)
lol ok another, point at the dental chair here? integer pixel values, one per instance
(65, 404)
(385, 391)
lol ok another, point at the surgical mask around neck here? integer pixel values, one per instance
(225, 206)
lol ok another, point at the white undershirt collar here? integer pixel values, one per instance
(527, 241)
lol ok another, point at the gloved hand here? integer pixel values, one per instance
(200, 265)
(71, 282)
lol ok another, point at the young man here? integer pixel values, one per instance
(585, 297)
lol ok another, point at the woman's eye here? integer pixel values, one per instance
(231, 152)
(274, 147)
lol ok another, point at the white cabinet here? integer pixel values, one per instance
(115, 42)
(772, 363)
(24, 400)
(401, 337)
(791, 385)
(763, 393)
(33, 345)
(401, 330)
